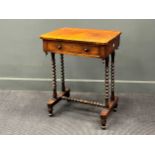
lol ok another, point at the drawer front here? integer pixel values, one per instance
(71, 48)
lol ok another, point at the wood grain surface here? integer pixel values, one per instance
(82, 35)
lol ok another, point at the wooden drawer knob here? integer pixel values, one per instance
(59, 46)
(86, 49)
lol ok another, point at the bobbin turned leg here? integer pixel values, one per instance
(103, 115)
(54, 86)
(62, 72)
(113, 80)
(110, 105)
(63, 87)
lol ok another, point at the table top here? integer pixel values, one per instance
(82, 35)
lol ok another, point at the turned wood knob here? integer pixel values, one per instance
(59, 46)
(86, 49)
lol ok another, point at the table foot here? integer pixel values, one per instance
(114, 110)
(50, 107)
(50, 114)
(53, 101)
(115, 107)
(112, 105)
(103, 123)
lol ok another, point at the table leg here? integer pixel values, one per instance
(110, 104)
(112, 76)
(107, 81)
(54, 85)
(54, 82)
(113, 79)
(103, 115)
(62, 73)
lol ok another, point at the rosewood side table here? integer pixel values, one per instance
(87, 43)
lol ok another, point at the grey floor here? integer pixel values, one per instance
(25, 112)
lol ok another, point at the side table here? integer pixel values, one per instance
(88, 43)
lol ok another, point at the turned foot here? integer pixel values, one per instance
(50, 114)
(50, 107)
(67, 94)
(115, 107)
(103, 123)
(114, 110)
(50, 111)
